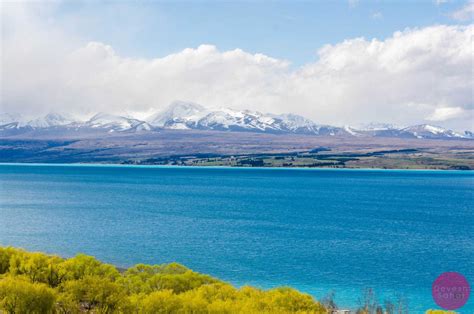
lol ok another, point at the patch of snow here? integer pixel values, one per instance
(50, 120)
(434, 129)
(179, 111)
(351, 131)
(116, 123)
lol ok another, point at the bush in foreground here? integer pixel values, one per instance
(40, 283)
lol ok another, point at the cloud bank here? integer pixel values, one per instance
(414, 76)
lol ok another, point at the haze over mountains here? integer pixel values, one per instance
(181, 115)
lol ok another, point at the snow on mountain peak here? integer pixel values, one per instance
(297, 123)
(430, 131)
(179, 111)
(351, 130)
(187, 115)
(434, 129)
(116, 123)
(50, 120)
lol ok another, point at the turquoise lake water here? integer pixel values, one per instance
(315, 230)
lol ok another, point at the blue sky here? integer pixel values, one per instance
(284, 29)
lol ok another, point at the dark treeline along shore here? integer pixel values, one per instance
(41, 283)
(237, 149)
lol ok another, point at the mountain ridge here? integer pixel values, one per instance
(188, 115)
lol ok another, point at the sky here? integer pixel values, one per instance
(336, 62)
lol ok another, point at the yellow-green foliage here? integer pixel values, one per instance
(19, 295)
(39, 283)
(440, 312)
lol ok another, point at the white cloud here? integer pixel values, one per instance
(446, 113)
(466, 13)
(402, 79)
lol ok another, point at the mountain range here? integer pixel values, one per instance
(186, 115)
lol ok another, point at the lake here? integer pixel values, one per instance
(314, 229)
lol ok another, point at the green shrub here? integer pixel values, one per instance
(40, 283)
(18, 295)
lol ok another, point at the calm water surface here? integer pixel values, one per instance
(316, 230)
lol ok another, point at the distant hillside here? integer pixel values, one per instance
(241, 149)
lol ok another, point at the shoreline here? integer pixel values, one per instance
(120, 165)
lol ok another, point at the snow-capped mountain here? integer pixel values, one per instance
(17, 121)
(183, 115)
(421, 131)
(114, 123)
(298, 124)
(49, 120)
(353, 131)
(188, 115)
(234, 120)
(430, 131)
(103, 121)
(177, 116)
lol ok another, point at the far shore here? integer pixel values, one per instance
(124, 165)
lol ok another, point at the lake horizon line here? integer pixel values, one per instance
(118, 165)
